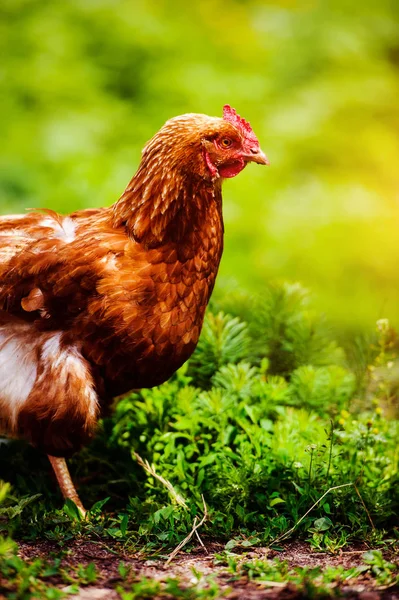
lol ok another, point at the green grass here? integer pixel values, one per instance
(312, 582)
(268, 415)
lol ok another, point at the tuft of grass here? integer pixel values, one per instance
(311, 582)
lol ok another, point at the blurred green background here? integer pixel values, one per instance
(85, 83)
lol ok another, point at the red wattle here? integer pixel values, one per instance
(232, 169)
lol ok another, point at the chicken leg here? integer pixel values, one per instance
(65, 482)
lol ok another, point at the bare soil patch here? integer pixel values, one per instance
(107, 558)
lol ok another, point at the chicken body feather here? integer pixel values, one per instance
(107, 309)
(102, 301)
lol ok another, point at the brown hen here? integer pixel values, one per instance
(105, 300)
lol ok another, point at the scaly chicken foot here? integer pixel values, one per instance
(65, 482)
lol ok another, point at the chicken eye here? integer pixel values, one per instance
(226, 143)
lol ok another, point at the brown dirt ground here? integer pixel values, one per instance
(108, 557)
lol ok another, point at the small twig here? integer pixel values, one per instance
(310, 465)
(190, 535)
(387, 587)
(364, 506)
(331, 449)
(201, 542)
(175, 496)
(275, 584)
(287, 533)
(151, 470)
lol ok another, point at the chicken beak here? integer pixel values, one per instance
(257, 156)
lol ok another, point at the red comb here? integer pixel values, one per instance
(231, 115)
